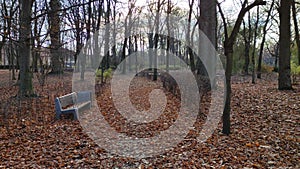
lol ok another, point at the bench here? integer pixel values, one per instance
(73, 103)
(152, 73)
(147, 73)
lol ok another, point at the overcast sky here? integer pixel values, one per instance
(229, 7)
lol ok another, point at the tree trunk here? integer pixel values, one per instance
(189, 51)
(247, 40)
(276, 57)
(114, 37)
(55, 37)
(107, 36)
(26, 88)
(263, 41)
(82, 56)
(124, 50)
(88, 30)
(136, 55)
(97, 45)
(36, 37)
(151, 45)
(157, 21)
(297, 36)
(13, 52)
(254, 45)
(82, 60)
(208, 25)
(168, 36)
(130, 51)
(284, 80)
(228, 72)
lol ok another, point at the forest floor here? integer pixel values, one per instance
(265, 130)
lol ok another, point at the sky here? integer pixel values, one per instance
(226, 4)
(230, 7)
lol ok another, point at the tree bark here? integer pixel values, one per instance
(157, 20)
(107, 36)
(169, 9)
(254, 45)
(54, 25)
(297, 36)
(25, 83)
(208, 25)
(189, 51)
(114, 37)
(124, 48)
(247, 40)
(88, 30)
(228, 72)
(284, 80)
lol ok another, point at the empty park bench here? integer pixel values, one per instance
(149, 73)
(152, 73)
(73, 103)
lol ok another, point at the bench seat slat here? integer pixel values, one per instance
(77, 106)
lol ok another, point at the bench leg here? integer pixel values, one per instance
(57, 115)
(75, 114)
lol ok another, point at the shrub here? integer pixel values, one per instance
(266, 68)
(106, 74)
(295, 71)
(98, 73)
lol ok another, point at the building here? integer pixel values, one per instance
(9, 50)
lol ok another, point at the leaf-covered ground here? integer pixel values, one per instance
(265, 129)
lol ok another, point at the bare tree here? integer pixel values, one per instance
(74, 17)
(254, 44)
(263, 40)
(9, 13)
(228, 51)
(127, 32)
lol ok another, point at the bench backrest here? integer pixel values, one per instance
(84, 96)
(68, 99)
(63, 101)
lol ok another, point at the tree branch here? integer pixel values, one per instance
(241, 15)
